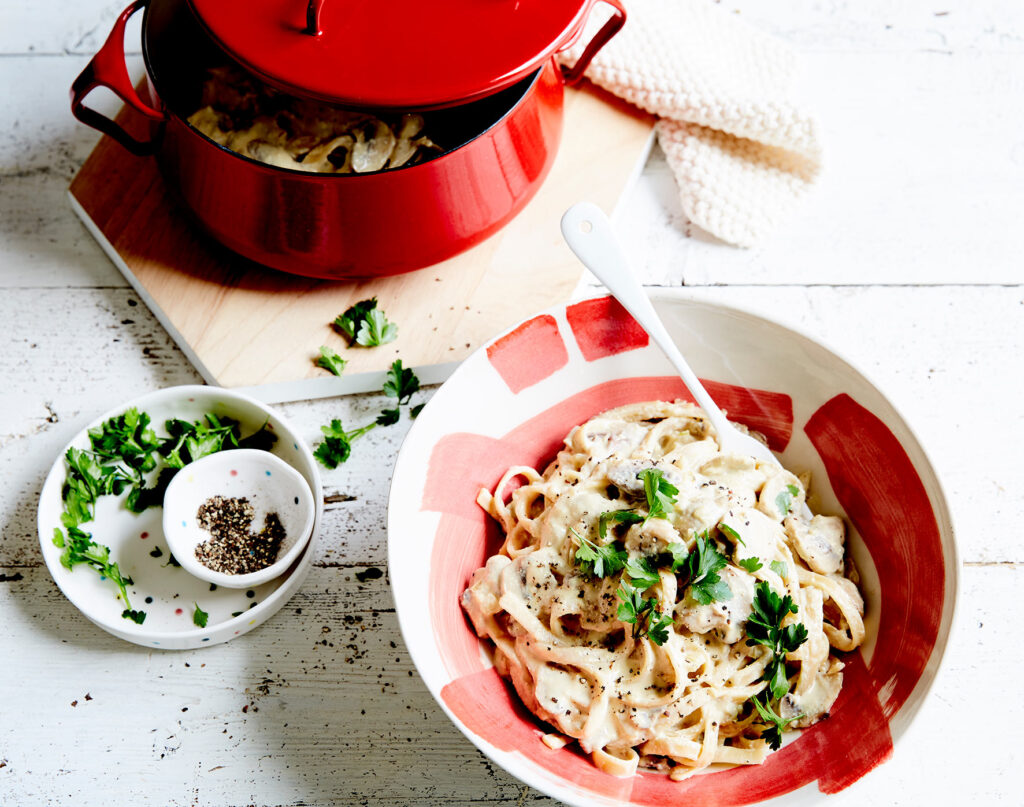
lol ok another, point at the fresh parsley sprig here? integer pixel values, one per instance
(596, 560)
(659, 492)
(660, 495)
(365, 324)
(674, 556)
(642, 614)
(330, 360)
(87, 479)
(376, 330)
(775, 724)
(620, 516)
(336, 447)
(764, 627)
(123, 449)
(700, 568)
(750, 564)
(401, 383)
(126, 438)
(643, 572)
(192, 440)
(79, 547)
(199, 616)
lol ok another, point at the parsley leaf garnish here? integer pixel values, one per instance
(126, 438)
(642, 614)
(780, 568)
(659, 492)
(336, 447)
(331, 361)
(191, 441)
(676, 555)
(401, 382)
(784, 501)
(658, 625)
(389, 417)
(337, 444)
(415, 411)
(623, 516)
(750, 564)
(199, 616)
(87, 479)
(599, 561)
(764, 627)
(725, 529)
(700, 570)
(348, 324)
(641, 571)
(777, 725)
(79, 547)
(365, 324)
(375, 329)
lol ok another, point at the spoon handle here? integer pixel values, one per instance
(589, 234)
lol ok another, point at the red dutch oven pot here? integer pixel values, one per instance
(487, 70)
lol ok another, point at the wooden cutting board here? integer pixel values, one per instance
(248, 327)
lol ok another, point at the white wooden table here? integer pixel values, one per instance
(908, 260)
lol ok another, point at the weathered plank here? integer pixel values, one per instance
(321, 705)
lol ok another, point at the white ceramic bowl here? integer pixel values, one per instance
(267, 482)
(514, 401)
(166, 593)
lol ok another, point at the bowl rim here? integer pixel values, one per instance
(681, 295)
(266, 607)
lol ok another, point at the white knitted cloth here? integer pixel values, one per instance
(742, 152)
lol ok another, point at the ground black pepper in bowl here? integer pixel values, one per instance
(234, 548)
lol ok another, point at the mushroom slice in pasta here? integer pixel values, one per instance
(480, 600)
(735, 471)
(760, 537)
(725, 617)
(405, 146)
(374, 144)
(625, 475)
(813, 704)
(270, 154)
(781, 495)
(325, 157)
(819, 543)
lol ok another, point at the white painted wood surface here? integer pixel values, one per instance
(907, 260)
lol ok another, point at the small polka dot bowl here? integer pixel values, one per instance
(234, 511)
(181, 611)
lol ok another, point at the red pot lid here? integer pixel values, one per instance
(408, 54)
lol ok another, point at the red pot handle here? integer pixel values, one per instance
(608, 30)
(108, 69)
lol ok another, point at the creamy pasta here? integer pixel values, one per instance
(252, 118)
(558, 624)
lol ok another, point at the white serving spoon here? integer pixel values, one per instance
(589, 234)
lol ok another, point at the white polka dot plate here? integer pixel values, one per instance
(167, 593)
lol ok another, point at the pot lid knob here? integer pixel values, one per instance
(313, 18)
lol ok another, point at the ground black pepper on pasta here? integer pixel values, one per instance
(233, 547)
